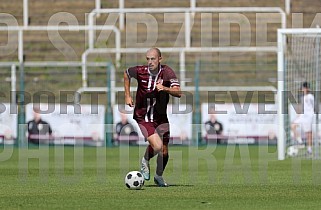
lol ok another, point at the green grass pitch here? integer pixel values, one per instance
(212, 177)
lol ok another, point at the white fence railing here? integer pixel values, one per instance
(180, 51)
(21, 29)
(121, 11)
(118, 50)
(121, 5)
(114, 88)
(187, 31)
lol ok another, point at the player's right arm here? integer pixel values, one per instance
(128, 97)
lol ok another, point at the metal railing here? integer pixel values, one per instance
(180, 51)
(91, 28)
(185, 10)
(21, 29)
(118, 51)
(187, 31)
(121, 5)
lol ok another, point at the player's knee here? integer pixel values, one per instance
(157, 148)
(155, 142)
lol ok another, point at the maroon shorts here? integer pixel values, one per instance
(150, 128)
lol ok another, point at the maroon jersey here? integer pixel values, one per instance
(151, 105)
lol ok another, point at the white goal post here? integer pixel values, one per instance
(298, 62)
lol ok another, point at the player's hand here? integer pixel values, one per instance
(159, 86)
(129, 101)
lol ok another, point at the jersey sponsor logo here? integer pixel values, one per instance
(173, 80)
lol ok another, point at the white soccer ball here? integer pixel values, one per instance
(292, 151)
(134, 180)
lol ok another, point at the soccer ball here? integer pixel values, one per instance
(292, 151)
(134, 180)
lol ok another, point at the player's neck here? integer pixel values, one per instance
(155, 71)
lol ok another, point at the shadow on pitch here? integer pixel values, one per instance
(170, 185)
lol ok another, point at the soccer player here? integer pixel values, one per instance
(156, 83)
(305, 119)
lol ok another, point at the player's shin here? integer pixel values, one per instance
(162, 160)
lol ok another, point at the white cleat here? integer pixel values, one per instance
(145, 169)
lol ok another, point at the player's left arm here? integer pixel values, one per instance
(172, 86)
(174, 90)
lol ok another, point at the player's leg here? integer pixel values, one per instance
(293, 129)
(309, 141)
(308, 133)
(307, 127)
(155, 145)
(149, 153)
(295, 126)
(162, 158)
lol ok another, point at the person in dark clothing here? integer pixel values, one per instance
(212, 126)
(125, 130)
(38, 128)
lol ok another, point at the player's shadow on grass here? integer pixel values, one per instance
(170, 185)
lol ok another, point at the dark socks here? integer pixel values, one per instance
(161, 163)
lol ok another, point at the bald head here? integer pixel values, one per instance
(155, 49)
